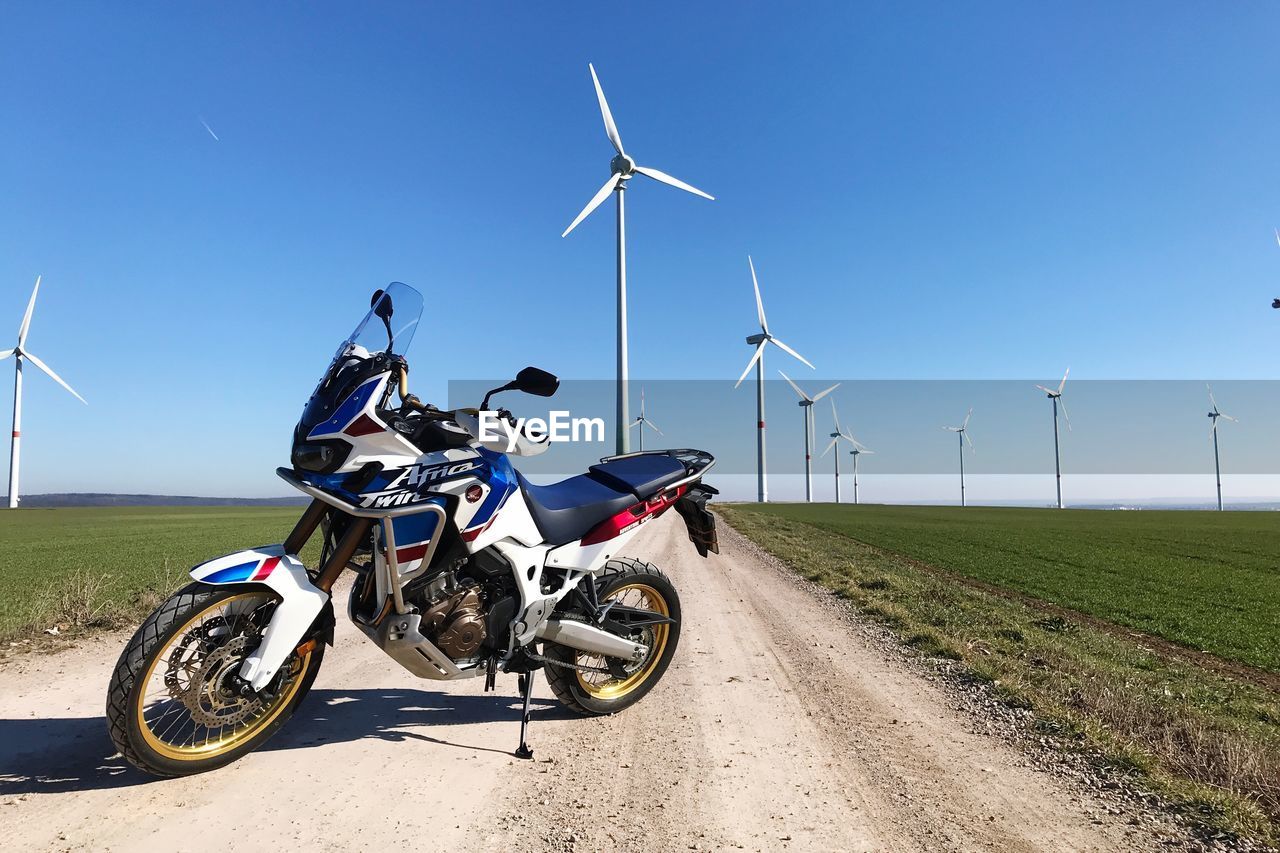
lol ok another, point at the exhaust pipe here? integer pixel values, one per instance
(586, 638)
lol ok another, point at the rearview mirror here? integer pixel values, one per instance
(531, 380)
(537, 382)
(381, 305)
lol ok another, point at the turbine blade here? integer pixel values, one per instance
(1228, 417)
(752, 363)
(803, 396)
(634, 423)
(596, 199)
(5, 354)
(822, 394)
(654, 427)
(674, 182)
(1063, 383)
(1212, 401)
(829, 446)
(835, 417)
(764, 325)
(788, 349)
(55, 377)
(965, 433)
(1046, 390)
(1278, 236)
(966, 419)
(1063, 405)
(26, 318)
(610, 129)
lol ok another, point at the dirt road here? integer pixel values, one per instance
(775, 727)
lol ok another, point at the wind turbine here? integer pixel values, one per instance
(858, 448)
(622, 168)
(1056, 397)
(806, 406)
(642, 422)
(1213, 417)
(962, 432)
(21, 354)
(857, 451)
(761, 341)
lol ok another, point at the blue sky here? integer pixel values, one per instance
(929, 191)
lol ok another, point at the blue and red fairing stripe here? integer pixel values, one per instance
(501, 478)
(254, 570)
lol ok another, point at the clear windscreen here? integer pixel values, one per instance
(389, 326)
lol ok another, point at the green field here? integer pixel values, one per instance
(101, 565)
(1206, 580)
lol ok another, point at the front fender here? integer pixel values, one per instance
(300, 603)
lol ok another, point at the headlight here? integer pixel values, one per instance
(320, 457)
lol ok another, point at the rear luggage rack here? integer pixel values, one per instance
(695, 462)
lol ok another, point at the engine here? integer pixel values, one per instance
(453, 614)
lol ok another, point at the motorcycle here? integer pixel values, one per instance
(462, 567)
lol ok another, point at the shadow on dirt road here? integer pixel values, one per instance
(60, 754)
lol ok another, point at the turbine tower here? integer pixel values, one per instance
(1056, 397)
(857, 451)
(835, 439)
(622, 168)
(806, 407)
(642, 422)
(21, 354)
(1213, 417)
(962, 432)
(761, 341)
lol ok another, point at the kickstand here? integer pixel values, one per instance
(526, 688)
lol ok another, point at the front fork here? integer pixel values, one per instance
(261, 666)
(303, 598)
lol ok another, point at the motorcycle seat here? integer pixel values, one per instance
(566, 511)
(642, 476)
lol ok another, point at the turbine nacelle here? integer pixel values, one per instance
(623, 166)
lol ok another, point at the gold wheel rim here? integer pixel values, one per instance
(167, 723)
(606, 687)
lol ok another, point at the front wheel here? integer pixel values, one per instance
(171, 706)
(591, 684)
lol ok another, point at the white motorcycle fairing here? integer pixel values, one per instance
(300, 603)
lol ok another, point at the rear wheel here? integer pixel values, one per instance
(172, 708)
(589, 690)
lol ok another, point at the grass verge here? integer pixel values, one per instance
(1210, 744)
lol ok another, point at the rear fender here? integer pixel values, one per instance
(300, 603)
